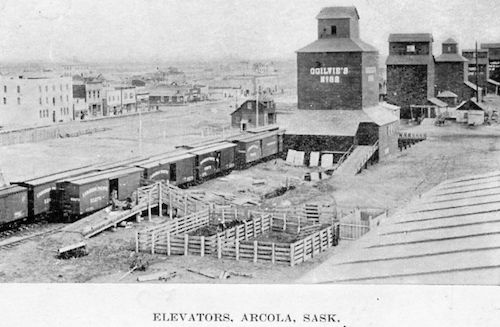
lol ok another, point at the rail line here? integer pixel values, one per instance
(27, 234)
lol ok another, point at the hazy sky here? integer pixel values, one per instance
(94, 30)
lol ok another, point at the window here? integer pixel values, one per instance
(449, 48)
(40, 113)
(410, 48)
(46, 100)
(54, 101)
(18, 89)
(40, 100)
(90, 94)
(93, 93)
(334, 30)
(5, 88)
(46, 88)
(67, 98)
(98, 94)
(4, 100)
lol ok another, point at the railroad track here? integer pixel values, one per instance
(8, 242)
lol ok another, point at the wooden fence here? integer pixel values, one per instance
(38, 134)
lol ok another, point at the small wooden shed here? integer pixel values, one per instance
(471, 112)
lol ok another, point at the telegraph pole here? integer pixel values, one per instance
(477, 80)
(256, 103)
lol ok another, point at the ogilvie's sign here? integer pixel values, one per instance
(329, 74)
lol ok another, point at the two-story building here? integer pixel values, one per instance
(30, 100)
(246, 116)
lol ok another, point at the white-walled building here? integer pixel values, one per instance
(35, 100)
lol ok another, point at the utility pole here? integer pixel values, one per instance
(477, 80)
(256, 103)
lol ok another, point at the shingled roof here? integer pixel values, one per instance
(451, 57)
(338, 45)
(450, 41)
(338, 12)
(411, 37)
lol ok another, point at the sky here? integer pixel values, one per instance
(142, 30)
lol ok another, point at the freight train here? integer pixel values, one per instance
(72, 194)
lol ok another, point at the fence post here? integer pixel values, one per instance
(219, 247)
(255, 245)
(237, 249)
(185, 204)
(160, 204)
(136, 242)
(149, 205)
(273, 253)
(186, 244)
(245, 226)
(254, 222)
(153, 236)
(284, 221)
(223, 218)
(168, 244)
(202, 253)
(305, 250)
(328, 236)
(312, 245)
(292, 254)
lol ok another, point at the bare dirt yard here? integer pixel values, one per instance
(450, 151)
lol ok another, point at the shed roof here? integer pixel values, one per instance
(438, 102)
(492, 81)
(490, 45)
(338, 12)
(450, 41)
(451, 57)
(473, 86)
(472, 104)
(447, 94)
(409, 60)
(411, 37)
(338, 45)
(333, 122)
(380, 115)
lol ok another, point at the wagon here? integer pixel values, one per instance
(177, 169)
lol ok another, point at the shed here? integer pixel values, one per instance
(448, 97)
(471, 112)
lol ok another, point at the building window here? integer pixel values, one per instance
(93, 94)
(5, 88)
(90, 94)
(18, 89)
(449, 49)
(40, 100)
(98, 94)
(46, 88)
(40, 113)
(18, 100)
(410, 48)
(54, 101)
(334, 30)
(67, 98)
(4, 100)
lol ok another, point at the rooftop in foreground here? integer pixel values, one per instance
(451, 235)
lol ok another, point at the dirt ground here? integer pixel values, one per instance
(449, 152)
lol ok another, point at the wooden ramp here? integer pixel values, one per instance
(101, 220)
(356, 160)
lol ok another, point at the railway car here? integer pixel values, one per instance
(13, 205)
(248, 149)
(177, 168)
(87, 193)
(213, 159)
(41, 191)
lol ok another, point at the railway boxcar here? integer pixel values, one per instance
(90, 192)
(178, 169)
(270, 144)
(41, 191)
(13, 204)
(214, 159)
(248, 149)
